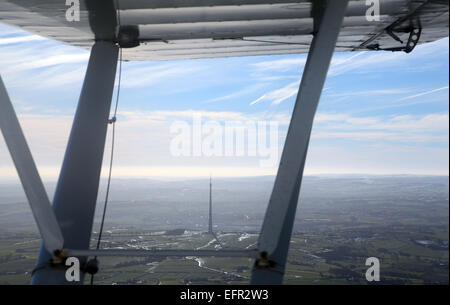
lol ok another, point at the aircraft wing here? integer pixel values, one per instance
(185, 29)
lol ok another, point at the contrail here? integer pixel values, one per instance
(423, 93)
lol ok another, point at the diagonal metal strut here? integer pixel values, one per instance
(280, 215)
(29, 176)
(76, 192)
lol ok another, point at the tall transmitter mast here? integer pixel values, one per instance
(210, 228)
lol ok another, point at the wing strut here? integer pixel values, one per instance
(277, 227)
(29, 176)
(77, 188)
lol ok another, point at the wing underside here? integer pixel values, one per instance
(187, 29)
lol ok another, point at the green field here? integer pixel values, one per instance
(336, 257)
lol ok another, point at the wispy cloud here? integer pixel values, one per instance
(279, 95)
(423, 93)
(372, 62)
(416, 140)
(395, 91)
(297, 64)
(284, 65)
(363, 62)
(236, 94)
(429, 128)
(280, 65)
(399, 103)
(27, 38)
(49, 61)
(143, 137)
(170, 116)
(143, 74)
(359, 63)
(60, 64)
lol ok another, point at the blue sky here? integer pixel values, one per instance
(380, 112)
